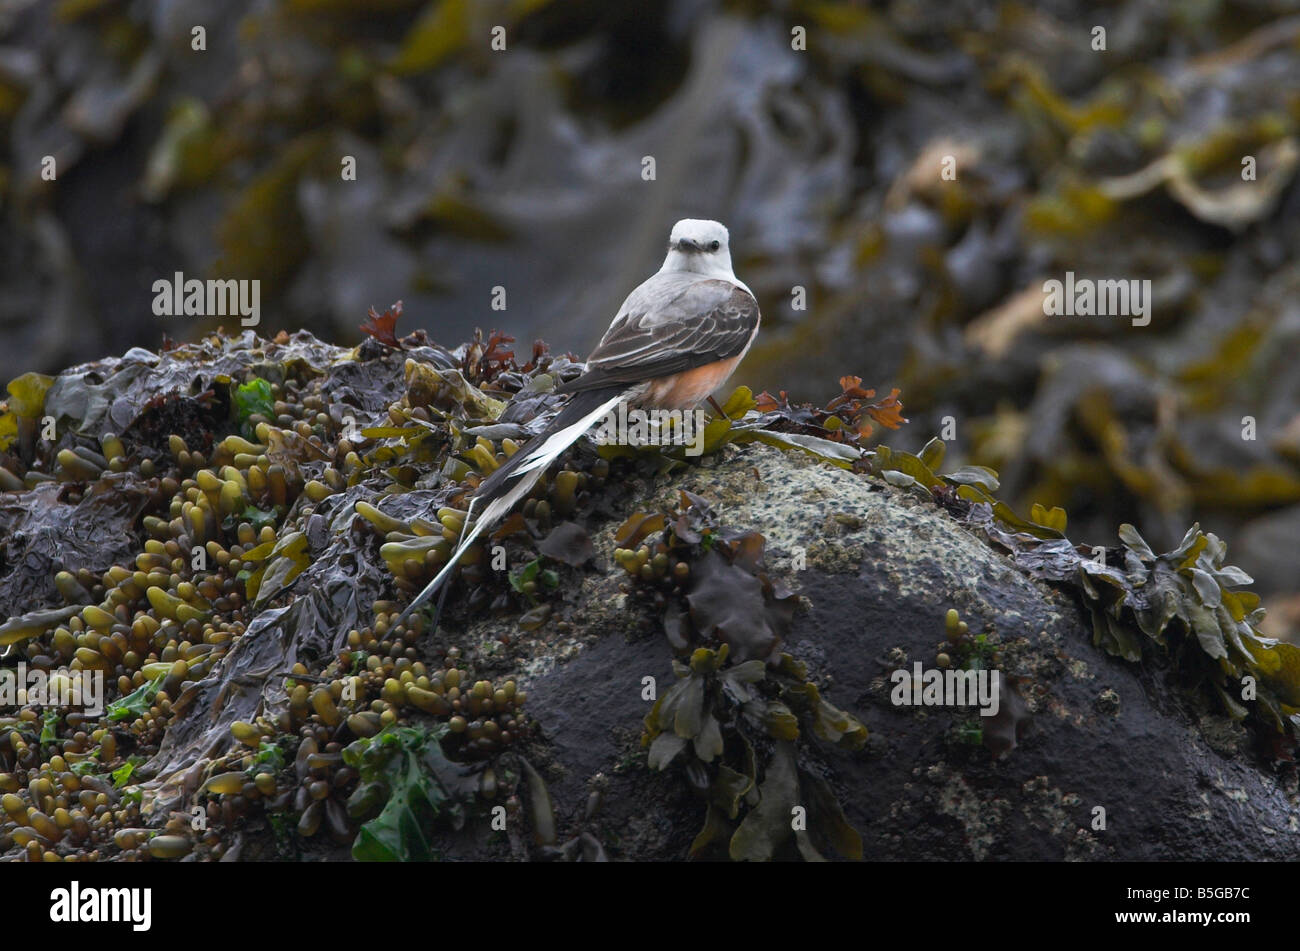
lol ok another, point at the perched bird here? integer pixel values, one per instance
(675, 340)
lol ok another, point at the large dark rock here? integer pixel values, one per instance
(1091, 731)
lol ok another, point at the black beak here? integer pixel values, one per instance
(687, 246)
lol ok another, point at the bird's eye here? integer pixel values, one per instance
(713, 246)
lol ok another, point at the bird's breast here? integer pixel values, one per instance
(683, 390)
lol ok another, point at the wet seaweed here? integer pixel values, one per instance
(740, 707)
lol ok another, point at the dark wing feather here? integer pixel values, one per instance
(670, 324)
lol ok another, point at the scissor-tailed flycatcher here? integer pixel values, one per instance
(676, 339)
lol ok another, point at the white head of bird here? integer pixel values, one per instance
(699, 246)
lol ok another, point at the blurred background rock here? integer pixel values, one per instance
(523, 168)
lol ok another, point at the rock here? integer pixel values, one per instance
(795, 593)
(882, 568)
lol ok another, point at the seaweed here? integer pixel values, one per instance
(1186, 603)
(739, 705)
(137, 702)
(383, 327)
(308, 530)
(406, 767)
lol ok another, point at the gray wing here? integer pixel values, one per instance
(670, 324)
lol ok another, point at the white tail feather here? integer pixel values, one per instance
(536, 459)
(557, 442)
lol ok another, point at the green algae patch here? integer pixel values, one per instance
(250, 399)
(420, 787)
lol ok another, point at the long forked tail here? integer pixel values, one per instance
(515, 478)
